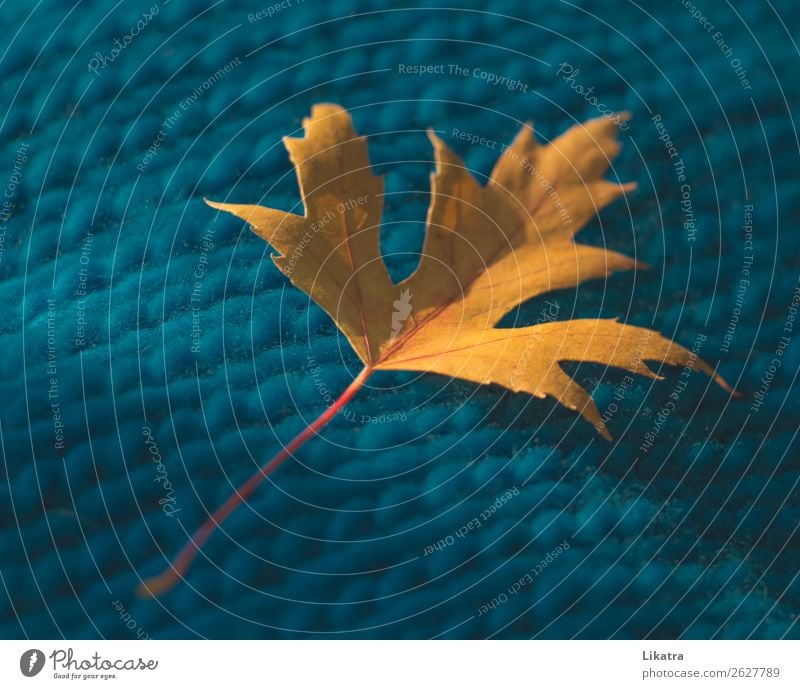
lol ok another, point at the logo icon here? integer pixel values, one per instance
(31, 662)
(402, 310)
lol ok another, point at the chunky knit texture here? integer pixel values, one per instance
(177, 357)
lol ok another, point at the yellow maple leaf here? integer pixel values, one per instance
(487, 250)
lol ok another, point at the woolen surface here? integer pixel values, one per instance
(191, 359)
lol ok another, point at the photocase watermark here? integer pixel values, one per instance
(619, 394)
(171, 121)
(31, 662)
(81, 291)
(168, 502)
(402, 310)
(206, 246)
(719, 39)
(479, 73)
(527, 166)
(326, 394)
(525, 580)
(272, 10)
(524, 162)
(474, 138)
(491, 78)
(664, 136)
(52, 376)
(330, 215)
(569, 74)
(548, 314)
(129, 621)
(783, 342)
(744, 279)
(67, 666)
(391, 417)
(627, 381)
(329, 397)
(10, 193)
(100, 61)
(666, 410)
(679, 168)
(473, 524)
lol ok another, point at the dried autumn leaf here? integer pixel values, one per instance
(487, 249)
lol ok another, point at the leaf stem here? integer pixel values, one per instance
(157, 585)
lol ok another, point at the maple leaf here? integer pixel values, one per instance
(487, 249)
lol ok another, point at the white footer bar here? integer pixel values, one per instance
(338, 664)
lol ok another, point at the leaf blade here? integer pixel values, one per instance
(487, 249)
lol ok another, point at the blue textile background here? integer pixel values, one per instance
(104, 171)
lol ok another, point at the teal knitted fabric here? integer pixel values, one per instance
(154, 357)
